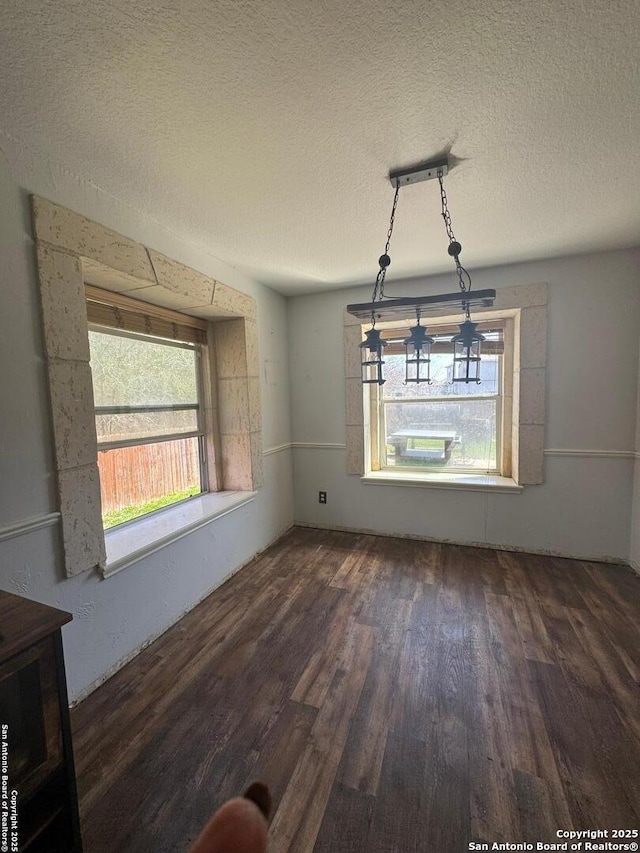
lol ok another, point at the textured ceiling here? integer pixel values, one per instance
(264, 129)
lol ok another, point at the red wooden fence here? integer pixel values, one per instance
(133, 475)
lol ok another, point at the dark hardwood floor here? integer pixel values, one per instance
(395, 695)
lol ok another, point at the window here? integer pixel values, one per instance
(521, 311)
(84, 270)
(444, 426)
(149, 422)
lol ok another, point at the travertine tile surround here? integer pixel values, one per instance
(524, 397)
(72, 251)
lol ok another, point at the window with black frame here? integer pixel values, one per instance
(442, 426)
(149, 421)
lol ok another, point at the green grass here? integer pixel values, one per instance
(119, 516)
(473, 450)
(425, 444)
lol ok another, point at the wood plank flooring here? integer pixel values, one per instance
(395, 695)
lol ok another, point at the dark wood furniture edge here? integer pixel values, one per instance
(24, 622)
(67, 743)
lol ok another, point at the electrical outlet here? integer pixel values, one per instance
(322, 497)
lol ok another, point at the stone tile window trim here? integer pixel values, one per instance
(524, 392)
(73, 251)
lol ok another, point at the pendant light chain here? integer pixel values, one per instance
(445, 210)
(467, 343)
(385, 260)
(454, 246)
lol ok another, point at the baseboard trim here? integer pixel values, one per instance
(514, 548)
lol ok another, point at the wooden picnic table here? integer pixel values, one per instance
(400, 441)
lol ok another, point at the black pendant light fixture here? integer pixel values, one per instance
(371, 359)
(417, 354)
(467, 343)
(466, 353)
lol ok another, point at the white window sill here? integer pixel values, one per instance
(131, 542)
(418, 479)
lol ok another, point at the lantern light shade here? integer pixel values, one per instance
(466, 353)
(418, 355)
(371, 361)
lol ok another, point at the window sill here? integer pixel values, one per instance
(469, 482)
(128, 544)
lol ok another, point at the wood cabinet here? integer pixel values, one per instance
(37, 781)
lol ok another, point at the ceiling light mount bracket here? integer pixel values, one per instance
(427, 171)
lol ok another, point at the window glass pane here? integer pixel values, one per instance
(441, 377)
(137, 480)
(456, 433)
(136, 372)
(123, 427)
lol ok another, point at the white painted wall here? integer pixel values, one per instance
(114, 617)
(583, 509)
(634, 556)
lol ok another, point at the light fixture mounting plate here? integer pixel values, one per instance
(427, 171)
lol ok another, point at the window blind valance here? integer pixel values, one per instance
(116, 311)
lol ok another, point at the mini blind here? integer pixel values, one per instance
(443, 338)
(117, 311)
